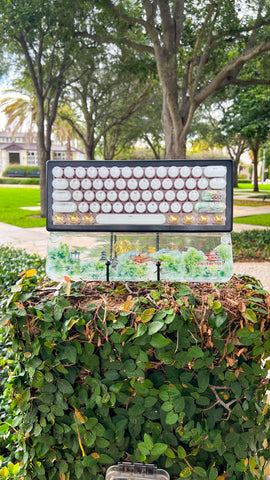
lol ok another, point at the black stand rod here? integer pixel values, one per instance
(158, 271)
(108, 263)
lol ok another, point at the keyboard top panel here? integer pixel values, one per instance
(154, 195)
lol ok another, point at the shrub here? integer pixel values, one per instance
(160, 373)
(26, 170)
(19, 181)
(251, 244)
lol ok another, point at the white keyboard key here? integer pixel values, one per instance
(170, 195)
(140, 207)
(75, 184)
(135, 196)
(86, 184)
(129, 207)
(161, 172)
(187, 207)
(176, 207)
(210, 207)
(158, 195)
(60, 183)
(193, 195)
(167, 183)
(149, 172)
(123, 196)
(144, 184)
(164, 207)
(147, 195)
(61, 195)
(126, 172)
(89, 196)
(132, 184)
(121, 184)
(152, 207)
(179, 184)
(100, 195)
(106, 207)
(202, 183)
(92, 172)
(77, 195)
(95, 207)
(130, 219)
(138, 172)
(112, 195)
(190, 183)
(118, 207)
(83, 207)
(64, 207)
(103, 172)
(215, 171)
(173, 172)
(97, 184)
(217, 183)
(185, 172)
(109, 184)
(196, 172)
(80, 172)
(155, 184)
(181, 195)
(57, 172)
(69, 172)
(115, 172)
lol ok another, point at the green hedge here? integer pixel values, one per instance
(161, 373)
(25, 169)
(19, 181)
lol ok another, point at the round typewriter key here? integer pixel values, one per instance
(118, 207)
(140, 207)
(69, 172)
(147, 196)
(179, 184)
(129, 207)
(167, 183)
(158, 195)
(132, 184)
(77, 195)
(94, 207)
(181, 195)
(83, 207)
(109, 184)
(202, 183)
(89, 196)
(173, 172)
(190, 183)
(138, 172)
(57, 172)
(97, 184)
(164, 207)
(152, 207)
(106, 207)
(187, 207)
(135, 196)
(193, 195)
(80, 172)
(112, 195)
(161, 172)
(100, 196)
(144, 183)
(123, 196)
(75, 184)
(170, 195)
(103, 172)
(155, 184)
(126, 172)
(197, 172)
(120, 184)
(176, 207)
(115, 172)
(149, 172)
(86, 183)
(185, 172)
(92, 172)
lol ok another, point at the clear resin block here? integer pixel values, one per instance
(180, 257)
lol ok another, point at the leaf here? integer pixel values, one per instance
(252, 463)
(159, 341)
(147, 315)
(171, 418)
(181, 452)
(195, 352)
(250, 315)
(185, 473)
(148, 442)
(203, 379)
(31, 272)
(64, 386)
(78, 415)
(200, 471)
(159, 449)
(154, 327)
(67, 279)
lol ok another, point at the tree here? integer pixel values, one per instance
(199, 49)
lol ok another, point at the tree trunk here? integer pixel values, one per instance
(255, 152)
(175, 141)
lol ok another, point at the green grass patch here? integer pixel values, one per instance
(248, 186)
(11, 199)
(263, 220)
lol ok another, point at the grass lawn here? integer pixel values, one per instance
(263, 220)
(248, 186)
(11, 199)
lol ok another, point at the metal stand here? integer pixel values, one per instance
(158, 270)
(108, 263)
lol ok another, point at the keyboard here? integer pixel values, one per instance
(154, 195)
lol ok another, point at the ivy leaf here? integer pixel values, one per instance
(147, 315)
(185, 473)
(203, 379)
(158, 449)
(154, 327)
(159, 341)
(250, 315)
(181, 452)
(200, 471)
(64, 386)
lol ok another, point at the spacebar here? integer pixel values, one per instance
(130, 219)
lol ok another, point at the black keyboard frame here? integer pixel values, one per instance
(227, 227)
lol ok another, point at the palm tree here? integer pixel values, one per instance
(21, 113)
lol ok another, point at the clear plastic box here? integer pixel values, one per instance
(136, 471)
